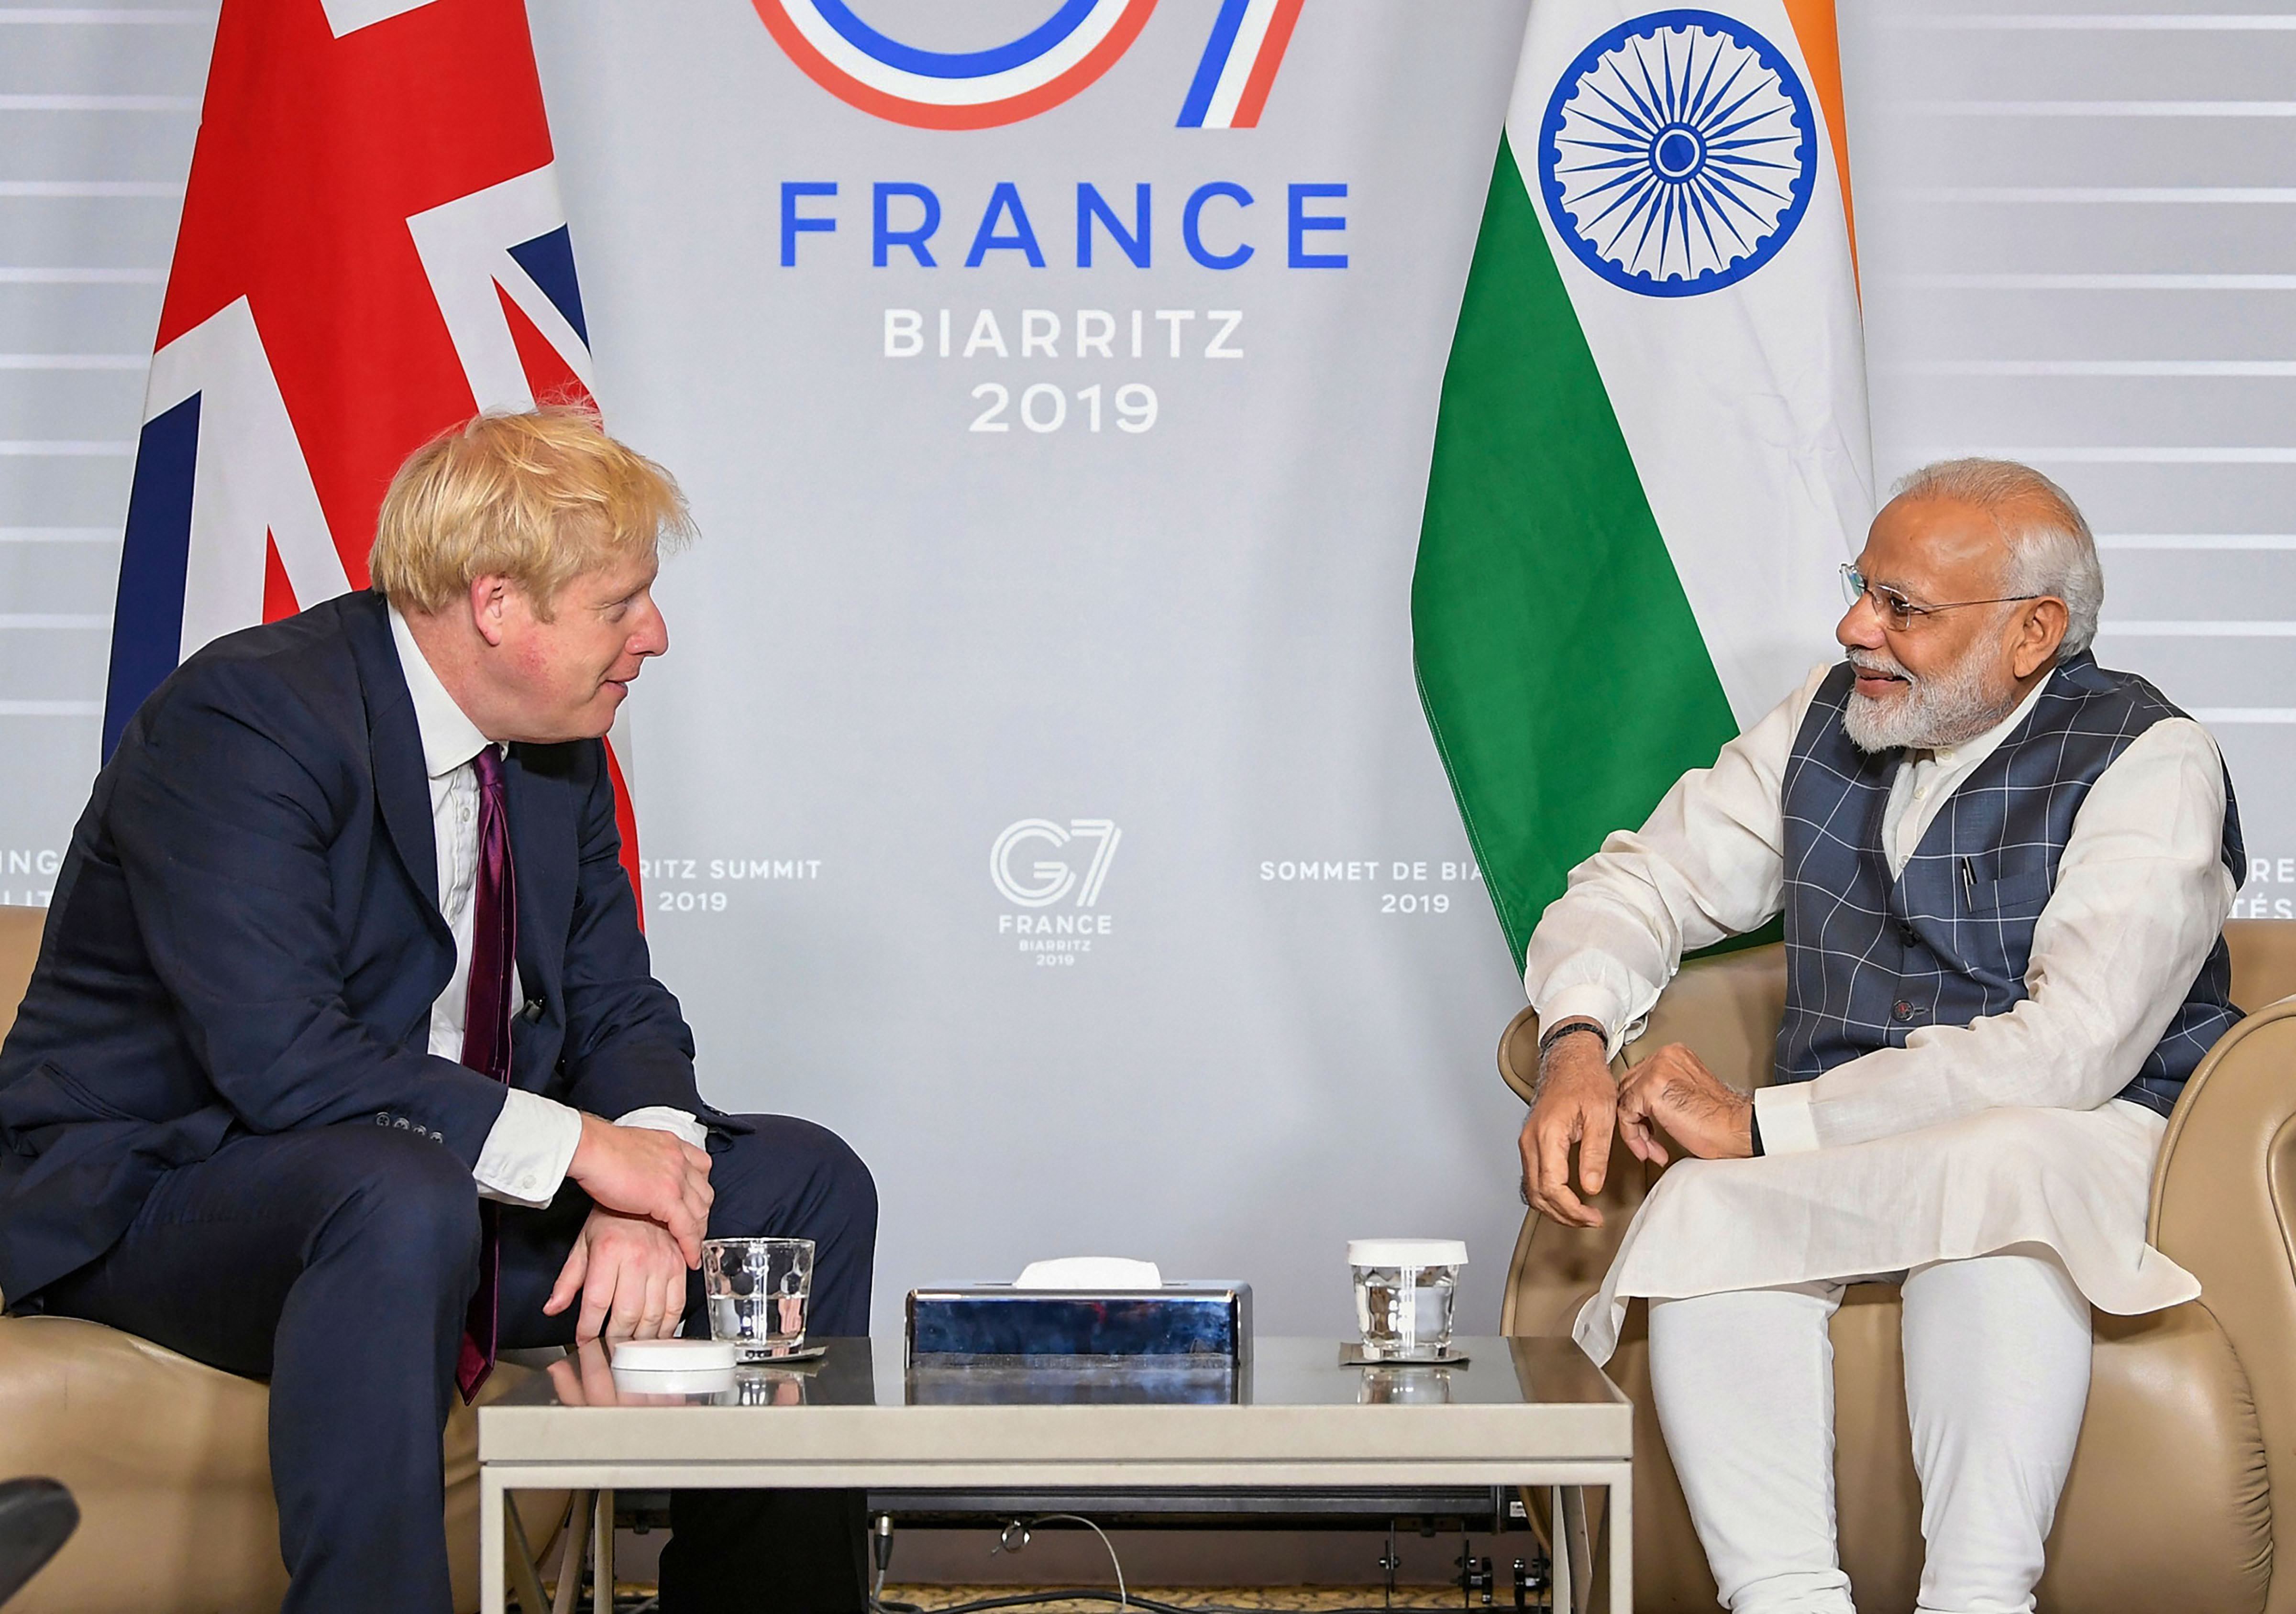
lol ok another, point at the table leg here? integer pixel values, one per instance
(1620, 1523)
(602, 1549)
(1570, 1525)
(492, 1569)
(1558, 1556)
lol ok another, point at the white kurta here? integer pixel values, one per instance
(1968, 1139)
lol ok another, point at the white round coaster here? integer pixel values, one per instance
(673, 1356)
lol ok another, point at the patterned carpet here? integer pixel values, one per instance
(635, 1598)
(1325, 1598)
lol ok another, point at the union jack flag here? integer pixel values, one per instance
(372, 250)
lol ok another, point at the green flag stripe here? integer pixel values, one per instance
(1561, 666)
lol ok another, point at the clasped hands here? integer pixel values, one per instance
(630, 1262)
(1671, 1093)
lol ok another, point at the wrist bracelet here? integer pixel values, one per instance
(1566, 1028)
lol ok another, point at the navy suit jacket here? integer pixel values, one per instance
(245, 936)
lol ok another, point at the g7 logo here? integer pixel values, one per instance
(1004, 83)
(1051, 878)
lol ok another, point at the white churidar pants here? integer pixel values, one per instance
(1997, 1377)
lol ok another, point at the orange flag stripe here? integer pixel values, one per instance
(1821, 48)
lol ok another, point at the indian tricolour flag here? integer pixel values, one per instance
(1653, 451)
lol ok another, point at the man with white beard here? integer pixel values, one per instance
(2003, 873)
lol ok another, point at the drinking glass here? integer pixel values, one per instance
(1407, 1293)
(758, 1291)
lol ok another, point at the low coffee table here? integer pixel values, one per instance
(1517, 1412)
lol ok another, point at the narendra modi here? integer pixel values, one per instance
(2003, 873)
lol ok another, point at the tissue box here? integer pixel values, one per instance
(996, 1324)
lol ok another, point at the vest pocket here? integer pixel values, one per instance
(2014, 881)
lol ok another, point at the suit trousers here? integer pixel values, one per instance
(338, 1263)
(1996, 1353)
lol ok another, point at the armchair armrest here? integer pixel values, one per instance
(1553, 1265)
(1726, 1009)
(2224, 1192)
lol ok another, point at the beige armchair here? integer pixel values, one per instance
(167, 1458)
(2185, 1481)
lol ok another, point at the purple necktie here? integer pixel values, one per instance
(485, 1036)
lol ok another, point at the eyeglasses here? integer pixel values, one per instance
(1897, 610)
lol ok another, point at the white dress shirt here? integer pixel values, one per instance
(1968, 1139)
(533, 1140)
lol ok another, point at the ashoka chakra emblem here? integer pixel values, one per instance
(1678, 154)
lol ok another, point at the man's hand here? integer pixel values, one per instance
(644, 1173)
(1577, 1104)
(630, 1276)
(1673, 1090)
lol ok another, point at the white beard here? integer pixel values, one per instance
(1944, 708)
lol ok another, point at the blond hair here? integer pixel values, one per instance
(538, 497)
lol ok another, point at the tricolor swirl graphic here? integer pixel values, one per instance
(954, 89)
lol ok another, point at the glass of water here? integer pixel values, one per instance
(1406, 1294)
(758, 1291)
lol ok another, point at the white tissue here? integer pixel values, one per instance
(1090, 1272)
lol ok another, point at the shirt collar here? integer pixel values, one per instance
(449, 738)
(1971, 752)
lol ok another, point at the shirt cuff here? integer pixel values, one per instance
(1597, 1004)
(1788, 1126)
(528, 1150)
(661, 1117)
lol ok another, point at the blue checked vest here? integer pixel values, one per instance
(1870, 960)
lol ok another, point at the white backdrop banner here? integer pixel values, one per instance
(1163, 675)
(1035, 789)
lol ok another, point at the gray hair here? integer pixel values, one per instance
(2051, 551)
